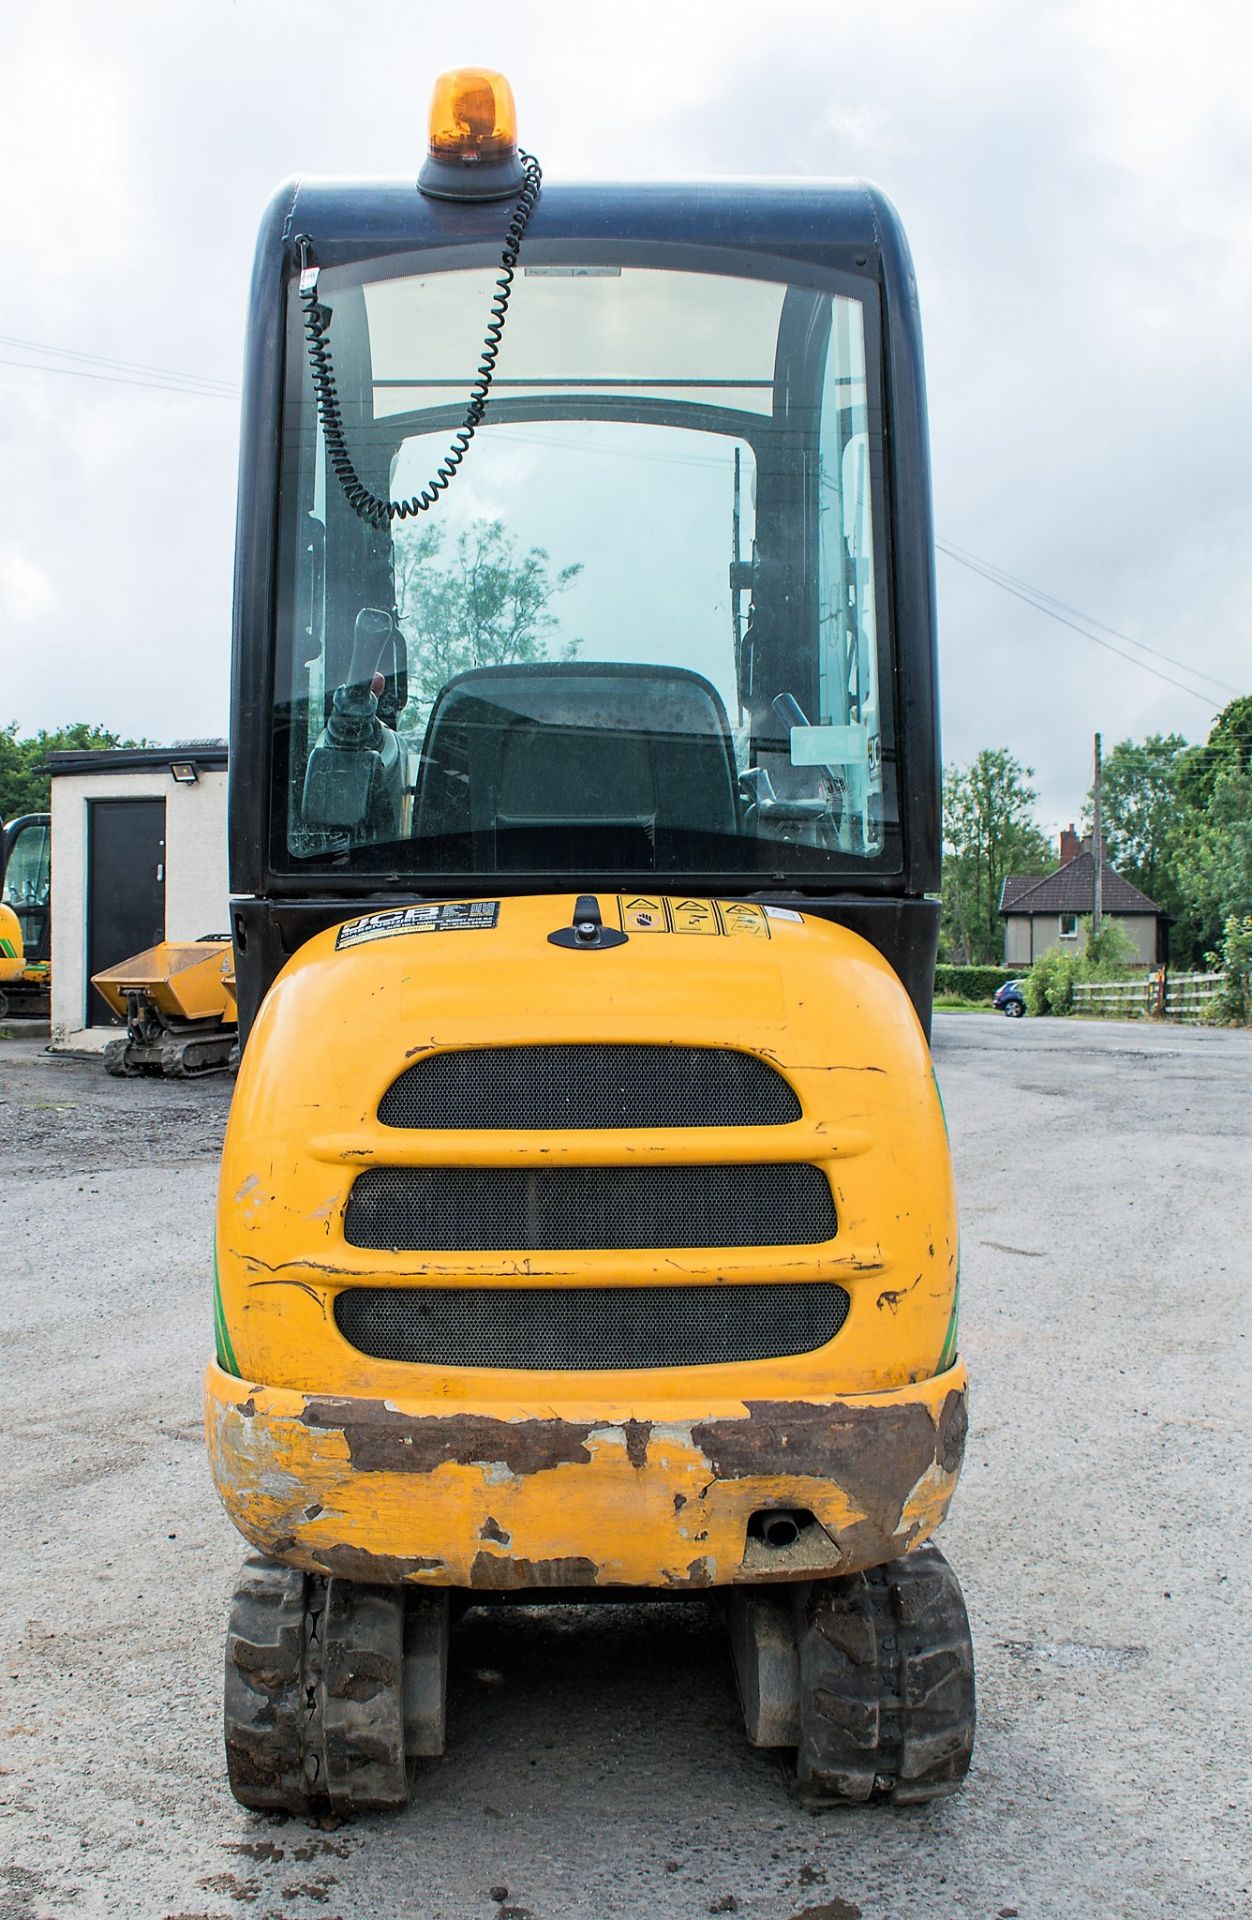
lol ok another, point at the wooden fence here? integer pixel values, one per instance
(1185, 996)
(1188, 994)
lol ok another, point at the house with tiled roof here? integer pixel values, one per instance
(1055, 910)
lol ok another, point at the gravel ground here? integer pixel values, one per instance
(596, 1767)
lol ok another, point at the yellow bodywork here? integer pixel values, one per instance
(182, 979)
(230, 997)
(495, 1478)
(12, 950)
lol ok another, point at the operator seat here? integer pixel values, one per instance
(572, 763)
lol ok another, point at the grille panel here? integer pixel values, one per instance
(498, 1209)
(592, 1328)
(614, 1085)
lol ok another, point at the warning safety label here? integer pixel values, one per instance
(663, 913)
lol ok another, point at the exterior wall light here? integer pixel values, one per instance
(184, 772)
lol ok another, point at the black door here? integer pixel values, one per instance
(125, 888)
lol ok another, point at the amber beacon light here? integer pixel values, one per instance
(473, 138)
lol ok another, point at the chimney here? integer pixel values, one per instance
(1071, 845)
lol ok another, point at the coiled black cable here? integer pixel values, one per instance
(367, 505)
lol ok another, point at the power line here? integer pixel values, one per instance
(989, 573)
(122, 366)
(1004, 577)
(125, 380)
(137, 374)
(95, 366)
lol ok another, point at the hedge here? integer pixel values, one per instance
(972, 983)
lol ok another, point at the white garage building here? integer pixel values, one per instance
(138, 855)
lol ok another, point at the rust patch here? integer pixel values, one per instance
(495, 1573)
(381, 1440)
(875, 1454)
(372, 1569)
(953, 1426)
(638, 1433)
(492, 1530)
(699, 1574)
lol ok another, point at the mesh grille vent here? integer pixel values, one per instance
(590, 1327)
(496, 1209)
(590, 1086)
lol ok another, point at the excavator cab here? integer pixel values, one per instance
(25, 913)
(586, 1222)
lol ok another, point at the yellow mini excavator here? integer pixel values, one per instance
(25, 914)
(12, 954)
(586, 1223)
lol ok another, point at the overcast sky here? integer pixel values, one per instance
(1076, 182)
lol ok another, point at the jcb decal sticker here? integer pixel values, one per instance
(646, 913)
(450, 916)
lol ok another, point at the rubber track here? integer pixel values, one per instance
(362, 1696)
(188, 1059)
(116, 1061)
(314, 1713)
(886, 1685)
(267, 1707)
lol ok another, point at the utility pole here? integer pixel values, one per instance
(1097, 850)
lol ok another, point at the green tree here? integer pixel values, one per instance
(1234, 960)
(1050, 982)
(481, 604)
(1109, 954)
(23, 789)
(988, 833)
(1143, 812)
(1228, 749)
(1214, 857)
(1140, 810)
(1212, 847)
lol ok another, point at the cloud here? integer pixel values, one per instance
(1076, 181)
(26, 590)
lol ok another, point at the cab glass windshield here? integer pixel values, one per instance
(643, 631)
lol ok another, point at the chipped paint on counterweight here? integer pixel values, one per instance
(470, 1499)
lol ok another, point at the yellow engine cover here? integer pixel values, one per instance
(499, 1476)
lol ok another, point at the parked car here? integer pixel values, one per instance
(1010, 999)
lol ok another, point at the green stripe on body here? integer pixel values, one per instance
(225, 1352)
(948, 1356)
